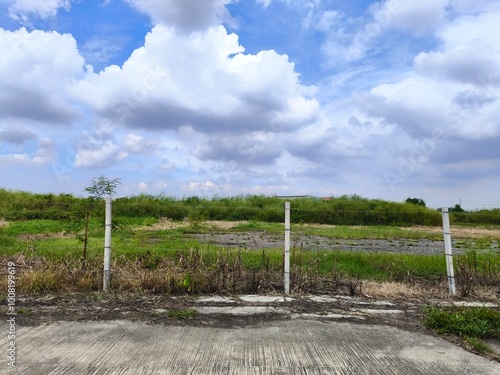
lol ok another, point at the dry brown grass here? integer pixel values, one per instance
(422, 292)
(189, 273)
(458, 231)
(44, 236)
(393, 290)
(165, 224)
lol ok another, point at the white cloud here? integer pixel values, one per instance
(36, 71)
(186, 15)
(349, 39)
(464, 6)
(46, 152)
(104, 155)
(136, 144)
(456, 88)
(22, 10)
(421, 105)
(417, 16)
(474, 63)
(265, 3)
(327, 20)
(470, 53)
(204, 82)
(44, 155)
(201, 186)
(101, 147)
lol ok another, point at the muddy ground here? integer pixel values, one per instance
(153, 309)
(262, 240)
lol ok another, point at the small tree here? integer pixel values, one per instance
(456, 208)
(101, 187)
(415, 201)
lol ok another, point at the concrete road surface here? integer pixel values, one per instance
(297, 346)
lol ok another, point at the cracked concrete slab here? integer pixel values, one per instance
(300, 346)
(322, 299)
(239, 310)
(381, 311)
(253, 298)
(215, 299)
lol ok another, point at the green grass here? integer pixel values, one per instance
(24, 311)
(152, 247)
(470, 323)
(480, 322)
(33, 227)
(182, 314)
(172, 260)
(374, 266)
(366, 232)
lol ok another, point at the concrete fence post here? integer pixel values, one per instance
(448, 251)
(287, 248)
(107, 246)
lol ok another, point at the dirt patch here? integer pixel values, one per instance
(3, 223)
(165, 224)
(458, 231)
(256, 240)
(155, 309)
(43, 236)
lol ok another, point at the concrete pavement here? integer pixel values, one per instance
(297, 346)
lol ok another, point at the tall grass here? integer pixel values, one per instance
(342, 210)
(172, 266)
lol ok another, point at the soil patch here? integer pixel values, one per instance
(255, 240)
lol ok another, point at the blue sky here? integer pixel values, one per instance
(387, 99)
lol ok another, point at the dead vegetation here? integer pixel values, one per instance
(189, 273)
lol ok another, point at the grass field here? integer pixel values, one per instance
(156, 255)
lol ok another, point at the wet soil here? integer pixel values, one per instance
(262, 240)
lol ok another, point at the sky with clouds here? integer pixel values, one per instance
(386, 99)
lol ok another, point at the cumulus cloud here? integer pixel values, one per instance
(186, 15)
(455, 88)
(98, 149)
(102, 155)
(41, 93)
(470, 53)
(44, 155)
(102, 148)
(473, 63)
(417, 16)
(205, 82)
(255, 148)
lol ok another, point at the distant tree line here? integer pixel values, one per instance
(342, 210)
